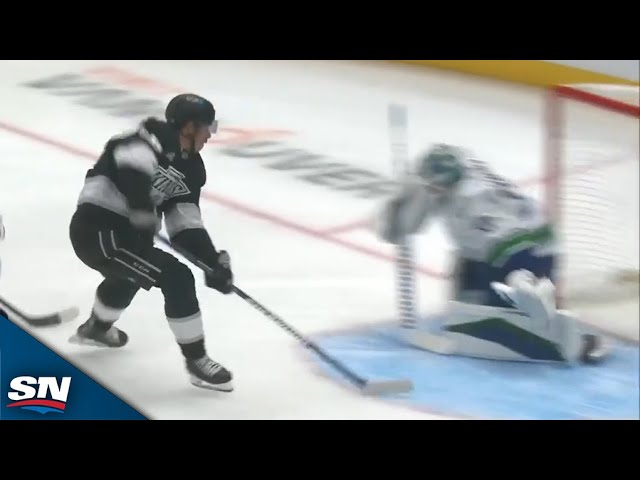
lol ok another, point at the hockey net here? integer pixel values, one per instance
(592, 177)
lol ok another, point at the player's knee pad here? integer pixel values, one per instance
(177, 277)
(117, 292)
(534, 296)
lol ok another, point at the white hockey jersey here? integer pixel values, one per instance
(487, 217)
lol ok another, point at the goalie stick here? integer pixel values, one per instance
(398, 123)
(49, 320)
(397, 119)
(366, 386)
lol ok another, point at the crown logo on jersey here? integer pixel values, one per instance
(168, 183)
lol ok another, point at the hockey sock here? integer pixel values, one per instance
(193, 350)
(104, 316)
(189, 333)
(112, 298)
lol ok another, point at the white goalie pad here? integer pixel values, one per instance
(486, 332)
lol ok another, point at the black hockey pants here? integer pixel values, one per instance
(128, 262)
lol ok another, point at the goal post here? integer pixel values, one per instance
(591, 134)
(592, 159)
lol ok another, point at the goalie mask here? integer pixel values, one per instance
(441, 166)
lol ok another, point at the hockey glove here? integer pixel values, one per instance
(388, 221)
(222, 277)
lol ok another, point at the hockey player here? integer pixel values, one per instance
(139, 178)
(504, 297)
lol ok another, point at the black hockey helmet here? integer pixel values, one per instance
(187, 107)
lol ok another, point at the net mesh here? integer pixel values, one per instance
(593, 167)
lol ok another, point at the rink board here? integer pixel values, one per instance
(539, 73)
(485, 389)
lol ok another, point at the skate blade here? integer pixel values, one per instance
(594, 358)
(87, 342)
(387, 387)
(598, 354)
(221, 387)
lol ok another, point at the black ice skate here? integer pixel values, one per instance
(94, 334)
(205, 373)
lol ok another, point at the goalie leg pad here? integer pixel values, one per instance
(500, 334)
(509, 334)
(537, 299)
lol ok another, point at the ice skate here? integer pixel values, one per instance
(594, 349)
(205, 373)
(90, 333)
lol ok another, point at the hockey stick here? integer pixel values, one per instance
(397, 120)
(366, 386)
(52, 319)
(398, 124)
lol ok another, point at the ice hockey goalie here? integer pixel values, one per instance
(503, 304)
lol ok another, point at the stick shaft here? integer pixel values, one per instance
(353, 377)
(397, 119)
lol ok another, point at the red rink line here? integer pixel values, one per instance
(347, 227)
(231, 204)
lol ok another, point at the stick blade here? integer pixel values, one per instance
(68, 314)
(385, 387)
(54, 319)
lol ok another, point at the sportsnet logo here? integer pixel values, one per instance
(46, 395)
